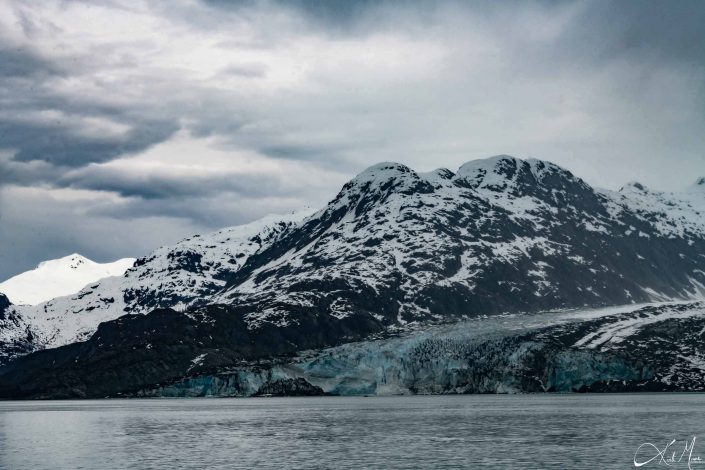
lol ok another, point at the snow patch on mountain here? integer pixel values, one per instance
(673, 214)
(59, 277)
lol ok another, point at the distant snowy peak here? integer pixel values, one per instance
(59, 277)
(679, 214)
(74, 261)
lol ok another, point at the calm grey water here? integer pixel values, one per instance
(521, 431)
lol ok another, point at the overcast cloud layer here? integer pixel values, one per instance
(125, 125)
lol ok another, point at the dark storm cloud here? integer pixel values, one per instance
(671, 30)
(305, 152)
(58, 144)
(339, 15)
(19, 63)
(59, 135)
(333, 17)
(164, 186)
(658, 29)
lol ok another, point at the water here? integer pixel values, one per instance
(486, 431)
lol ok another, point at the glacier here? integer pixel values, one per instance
(545, 352)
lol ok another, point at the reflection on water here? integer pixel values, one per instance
(488, 431)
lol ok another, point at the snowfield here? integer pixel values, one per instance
(59, 277)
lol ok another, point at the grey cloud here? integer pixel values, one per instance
(60, 146)
(205, 213)
(331, 17)
(601, 31)
(246, 70)
(656, 28)
(305, 152)
(27, 173)
(163, 186)
(20, 63)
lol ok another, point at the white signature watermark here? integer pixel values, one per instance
(672, 454)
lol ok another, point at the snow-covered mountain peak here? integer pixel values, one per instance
(541, 169)
(489, 171)
(381, 172)
(384, 177)
(504, 172)
(59, 277)
(679, 214)
(72, 261)
(439, 176)
(377, 184)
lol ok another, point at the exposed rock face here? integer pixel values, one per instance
(4, 305)
(395, 249)
(297, 387)
(19, 339)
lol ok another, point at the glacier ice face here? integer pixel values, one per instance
(507, 354)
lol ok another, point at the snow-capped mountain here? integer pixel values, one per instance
(500, 235)
(394, 250)
(175, 277)
(59, 277)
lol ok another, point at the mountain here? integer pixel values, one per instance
(501, 235)
(175, 277)
(395, 251)
(59, 277)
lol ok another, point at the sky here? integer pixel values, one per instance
(127, 125)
